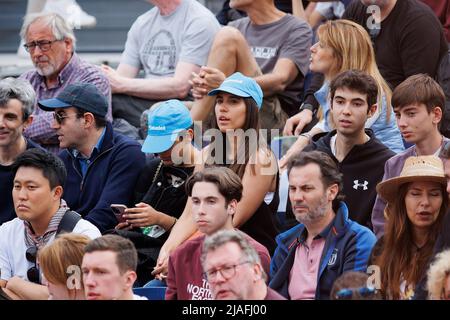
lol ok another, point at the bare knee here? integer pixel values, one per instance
(228, 36)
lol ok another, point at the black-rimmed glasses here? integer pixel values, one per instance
(44, 45)
(347, 294)
(227, 272)
(33, 272)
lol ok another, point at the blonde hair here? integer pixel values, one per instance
(437, 274)
(352, 49)
(54, 259)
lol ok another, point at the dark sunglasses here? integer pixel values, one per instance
(33, 273)
(348, 294)
(44, 45)
(60, 118)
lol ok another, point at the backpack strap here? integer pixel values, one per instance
(68, 221)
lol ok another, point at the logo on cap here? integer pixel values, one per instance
(157, 128)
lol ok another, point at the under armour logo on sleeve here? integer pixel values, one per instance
(362, 185)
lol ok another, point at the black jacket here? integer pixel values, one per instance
(155, 189)
(362, 169)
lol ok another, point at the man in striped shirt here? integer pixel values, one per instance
(50, 42)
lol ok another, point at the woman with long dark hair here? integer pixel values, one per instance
(237, 144)
(417, 202)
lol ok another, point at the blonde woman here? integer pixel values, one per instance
(344, 45)
(439, 277)
(60, 262)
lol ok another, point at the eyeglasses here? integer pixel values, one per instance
(227, 272)
(44, 45)
(32, 273)
(59, 118)
(347, 294)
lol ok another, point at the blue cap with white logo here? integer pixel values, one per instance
(165, 121)
(240, 86)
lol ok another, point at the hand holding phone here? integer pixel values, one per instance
(119, 210)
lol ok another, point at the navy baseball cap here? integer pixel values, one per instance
(84, 96)
(240, 86)
(165, 122)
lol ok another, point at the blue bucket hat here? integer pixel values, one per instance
(84, 96)
(165, 121)
(240, 86)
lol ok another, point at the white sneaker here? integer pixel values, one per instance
(71, 11)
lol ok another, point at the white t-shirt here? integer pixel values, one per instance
(13, 247)
(330, 10)
(157, 43)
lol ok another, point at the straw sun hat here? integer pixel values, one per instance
(423, 168)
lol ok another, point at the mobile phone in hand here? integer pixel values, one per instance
(119, 210)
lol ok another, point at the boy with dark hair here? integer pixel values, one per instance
(215, 193)
(418, 104)
(109, 269)
(102, 165)
(359, 154)
(37, 192)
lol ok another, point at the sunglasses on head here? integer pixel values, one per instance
(348, 294)
(32, 273)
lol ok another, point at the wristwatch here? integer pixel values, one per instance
(307, 106)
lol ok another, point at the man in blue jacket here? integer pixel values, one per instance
(102, 166)
(310, 256)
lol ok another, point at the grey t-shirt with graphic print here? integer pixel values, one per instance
(157, 43)
(290, 38)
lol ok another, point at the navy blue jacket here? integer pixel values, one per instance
(110, 178)
(347, 248)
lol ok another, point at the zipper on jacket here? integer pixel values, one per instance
(83, 178)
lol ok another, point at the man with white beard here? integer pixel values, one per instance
(326, 243)
(50, 41)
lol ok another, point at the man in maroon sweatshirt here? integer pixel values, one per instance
(214, 193)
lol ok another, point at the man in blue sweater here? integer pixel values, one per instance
(102, 166)
(310, 256)
(16, 108)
